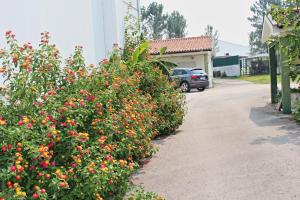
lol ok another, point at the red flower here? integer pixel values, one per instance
(8, 33)
(21, 169)
(102, 166)
(35, 196)
(48, 176)
(44, 164)
(62, 185)
(13, 168)
(4, 149)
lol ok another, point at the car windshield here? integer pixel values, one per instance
(197, 71)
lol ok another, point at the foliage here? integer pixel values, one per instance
(296, 111)
(259, 79)
(138, 193)
(259, 9)
(78, 132)
(157, 24)
(287, 17)
(170, 102)
(176, 25)
(133, 35)
(156, 82)
(154, 21)
(214, 34)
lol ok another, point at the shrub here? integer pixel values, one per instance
(74, 133)
(138, 193)
(78, 132)
(296, 111)
(156, 82)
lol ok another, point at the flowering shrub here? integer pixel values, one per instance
(78, 132)
(70, 133)
(170, 101)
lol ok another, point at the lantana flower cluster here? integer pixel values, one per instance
(69, 131)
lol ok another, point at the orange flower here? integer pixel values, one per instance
(2, 122)
(2, 69)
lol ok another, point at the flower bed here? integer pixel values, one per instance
(76, 132)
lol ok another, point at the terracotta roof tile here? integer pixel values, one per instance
(182, 45)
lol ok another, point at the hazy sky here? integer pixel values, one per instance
(228, 16)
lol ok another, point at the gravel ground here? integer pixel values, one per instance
(232, 146)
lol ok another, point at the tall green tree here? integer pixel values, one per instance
(154, 21)
(214, 34)
(259, 9)
(176, 25)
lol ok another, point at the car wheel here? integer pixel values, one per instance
(185, 87)
(201, 89)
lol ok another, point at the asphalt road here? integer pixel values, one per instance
(232, 146)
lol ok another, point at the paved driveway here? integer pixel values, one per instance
(232, 146)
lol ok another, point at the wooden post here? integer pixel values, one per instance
(273, 74)
(285, 84)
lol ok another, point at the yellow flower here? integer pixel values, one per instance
(105, 169)
(18, 193)
(26, 120)
(2, 122)
(55, 132)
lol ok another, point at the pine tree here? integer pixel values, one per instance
(154, 21)
(176, 25)
(259, 10)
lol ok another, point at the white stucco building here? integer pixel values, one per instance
(187, 52)
(94, 24)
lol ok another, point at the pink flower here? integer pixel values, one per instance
(29, 126)
(44, 164)
(13, 168)
(35, 196)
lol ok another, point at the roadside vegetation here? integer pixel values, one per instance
(259, 79)
(76, 131)
(287, 16)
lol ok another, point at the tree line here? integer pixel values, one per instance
(156, 24)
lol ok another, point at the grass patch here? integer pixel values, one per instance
(259, 79)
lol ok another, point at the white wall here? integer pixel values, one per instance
(232, 70)
(94, 24)
(188, 60)
(68, 25)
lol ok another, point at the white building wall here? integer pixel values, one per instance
(188, 60)
(231, 71)
(210, 70)
(94, 24)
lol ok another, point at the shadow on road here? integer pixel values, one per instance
(162, 139)
(267, 116)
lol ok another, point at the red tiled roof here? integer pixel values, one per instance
(182, 45)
